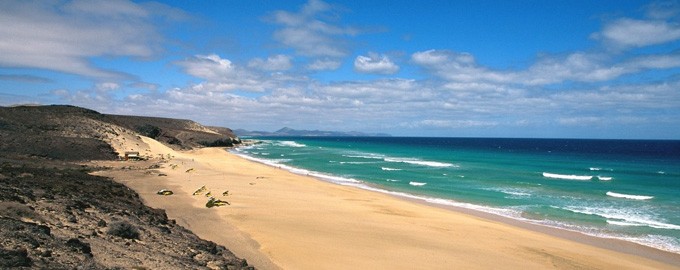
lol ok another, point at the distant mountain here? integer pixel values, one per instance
(286, 131)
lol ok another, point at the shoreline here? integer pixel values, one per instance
(280, 219)
(613, 244)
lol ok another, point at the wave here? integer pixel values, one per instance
(291, 144)
(600, 169)
(605, 178)
(355, 162)
(512, 191)
(392, 180)
(367, 156)
(617, 215)
(417, 184)
(623, 223)
(277, 163)
(389, 169)
(419, 162)
(628, 196)
(568, 177)
(413, 161)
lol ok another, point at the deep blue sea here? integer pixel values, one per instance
(625, 189)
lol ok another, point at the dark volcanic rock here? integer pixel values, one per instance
(14, 258)
(35, 231)
(179, 133)
(54, 215)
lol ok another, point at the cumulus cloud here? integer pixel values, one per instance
(62, 36)
(375, 63)
(273, 63)
(221, 74)
(462, 69)
(627, 32)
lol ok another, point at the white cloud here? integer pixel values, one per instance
(437, 123)
(581, 121)
(639, 33)
(278, 62)
(221, 74)
(107, 86)
(375, 63)
(62, 36)
(324, 64)
(314, 32)
(461, 69)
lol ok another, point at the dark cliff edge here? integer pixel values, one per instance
(55, 215)
(177, 133)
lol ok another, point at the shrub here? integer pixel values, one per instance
(123, 229)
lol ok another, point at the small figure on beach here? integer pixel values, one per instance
(165, 192)
(212, 202)
(199, 191)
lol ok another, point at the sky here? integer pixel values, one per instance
(531, 69)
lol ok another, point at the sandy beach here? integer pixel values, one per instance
(277, 219)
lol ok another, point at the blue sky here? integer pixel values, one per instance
(565, 69)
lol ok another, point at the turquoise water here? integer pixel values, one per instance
(621, 189)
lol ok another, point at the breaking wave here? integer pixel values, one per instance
(629, 196)
(291, 144)
(567, 177)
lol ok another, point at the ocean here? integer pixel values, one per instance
(623, 189)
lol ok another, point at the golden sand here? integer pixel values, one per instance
(277, 219)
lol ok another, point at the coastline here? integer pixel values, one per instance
(277, 218)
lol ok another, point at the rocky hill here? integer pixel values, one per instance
(73, 133)
(177, 133)
(55, 215)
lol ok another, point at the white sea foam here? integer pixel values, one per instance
(629, 196)
(417, 184)
(419, 162)
(516, 192)
(604, 178)
(567, 177)
(623, 216)
(623, 223)
(413, 161)
(366, 156)
(600, 169)
(291, 144)
(389, 169)
(392, 180)
(355, 162)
